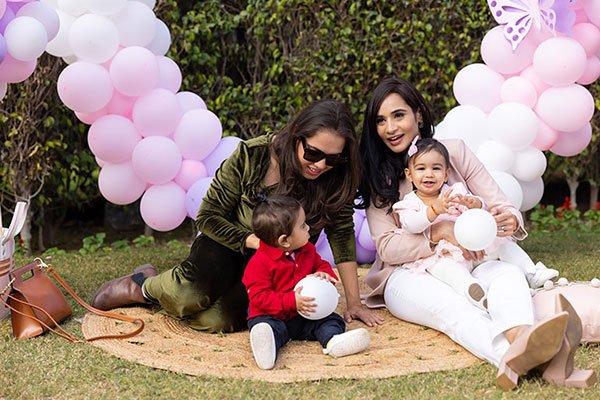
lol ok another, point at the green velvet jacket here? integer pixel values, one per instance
(226, 211)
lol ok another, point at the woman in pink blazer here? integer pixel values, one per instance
(506, 335)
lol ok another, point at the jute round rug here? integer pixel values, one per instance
(397, 348)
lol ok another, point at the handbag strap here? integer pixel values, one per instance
(42, 265)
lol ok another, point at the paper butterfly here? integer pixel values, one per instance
(517, 16)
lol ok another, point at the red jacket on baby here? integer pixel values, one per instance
(271, 275)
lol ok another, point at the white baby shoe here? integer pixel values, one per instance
(262, 342)
(347, 343)
(541, 275)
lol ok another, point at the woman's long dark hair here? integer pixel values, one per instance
(383, 170)
(327, 194)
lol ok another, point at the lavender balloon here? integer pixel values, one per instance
(2, 48)
(194, 196)
(226, 146)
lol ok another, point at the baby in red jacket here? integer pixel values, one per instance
(284, 257)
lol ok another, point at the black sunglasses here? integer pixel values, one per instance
(314, 155)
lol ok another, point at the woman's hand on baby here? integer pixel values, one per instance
(304, 305)
(325, 276)
(507, 222)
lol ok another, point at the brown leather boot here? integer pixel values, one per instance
(122, 291)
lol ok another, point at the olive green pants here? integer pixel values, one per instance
(206, 289)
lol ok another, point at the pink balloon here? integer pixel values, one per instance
(518, 90)
(592, 71)
(90, 118)
(101, 163)
(195, 194)
(119, 184)
(157, 113)
(226, 146)
(498, 54)
(189, 173)
(15, 71)
(134, 71)
(530, 74)
(121, 105)
(113, 138)
(559, 61)
(85, 87)
(566, 108)
(545, 138)
(588, 36)
(198, 134)
(163, 207)
(169, 74)
(189, 101)
(581, 16)
(592, 9)
(572, 143)
(469, 81)
(156, 160)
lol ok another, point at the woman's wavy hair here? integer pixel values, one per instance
(327, 194)
(383, 170)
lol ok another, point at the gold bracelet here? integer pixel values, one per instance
(437, 214)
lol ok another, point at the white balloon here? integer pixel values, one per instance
(136, 24)
(43, 13)
(59, 46)
(26, 38)
(532, 193)
(467, 123)
(510, 187)
(475, 229)
(496, 156)
(148, 3)
(105, 7)
(94, 38)
(73, 7)
(514, 124)
(70, 59)
(162, 39)
(529, 164)
(325, 295)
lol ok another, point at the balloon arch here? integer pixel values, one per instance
(156, 142)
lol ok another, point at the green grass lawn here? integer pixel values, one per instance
(51, 367)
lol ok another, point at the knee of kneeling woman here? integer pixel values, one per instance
(213, 320)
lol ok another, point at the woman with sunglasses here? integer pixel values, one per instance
(506, 334)
(313, 159)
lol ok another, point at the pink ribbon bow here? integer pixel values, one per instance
(412, 150)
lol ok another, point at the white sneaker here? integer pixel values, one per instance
(477, 296)
(262, 342)
(347, 343)
(541, 275)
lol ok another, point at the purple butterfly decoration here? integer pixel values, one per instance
(565, 16)
(518, 16)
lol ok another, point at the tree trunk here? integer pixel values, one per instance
(573, 185)
(26, 232)
(593, 194)
(148, 231)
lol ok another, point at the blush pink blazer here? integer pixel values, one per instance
(395, 247)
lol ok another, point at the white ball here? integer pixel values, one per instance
(548, 285)
(595, 282)
(325, 295)
(563, 282)
(475, 229)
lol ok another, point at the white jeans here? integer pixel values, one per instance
(423, 299)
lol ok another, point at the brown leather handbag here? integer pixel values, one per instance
(37, 305)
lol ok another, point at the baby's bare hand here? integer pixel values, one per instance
(304, 305)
